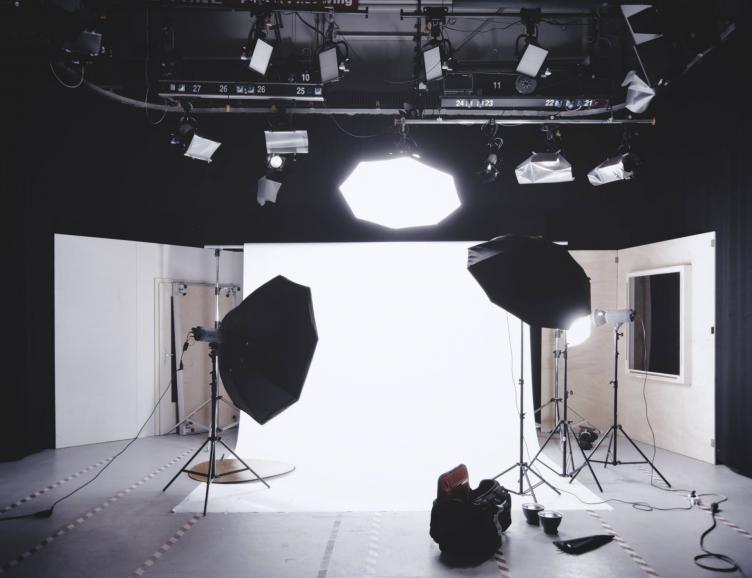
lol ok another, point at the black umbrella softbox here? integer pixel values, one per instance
(534, 279)
(267, 346)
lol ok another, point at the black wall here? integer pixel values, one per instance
(75, 163)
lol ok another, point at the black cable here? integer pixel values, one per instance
(731, 564)
(48, 512)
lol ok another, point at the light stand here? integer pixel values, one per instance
(613, 431)
(564, 426)
(214, 438)
(522, 465)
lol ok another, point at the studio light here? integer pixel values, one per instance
(437, 53)
(275, 161)
(400, 192)
(280, 142)
(614, 317)
(491, 168)
(618, 168)
(201, 148)
(193, 145)
(262, 54)
(281, 148)
(334, 56)
(532, 60)
(579, 332)
(546, 167)
(432, 63)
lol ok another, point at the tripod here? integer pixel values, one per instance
(523, 466)
(564, 426)
(214, 439)
(613, 431)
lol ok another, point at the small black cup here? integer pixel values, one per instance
(550, 521)
(531, 510)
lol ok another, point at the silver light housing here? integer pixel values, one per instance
(544, 168)
(609, 171)
(286, 141)
(201, 148)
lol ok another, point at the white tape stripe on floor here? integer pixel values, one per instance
(51, 487)
(164, 548)
(501, 564)
(730, 524)
(631, 552)
(70, 526)
(374, 539)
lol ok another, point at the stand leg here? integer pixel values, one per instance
(644, 456)
(548, 439)
(587, 463)
(237, 457)
(529, 485)
(185, 467)
(209, 476)
(542, 479)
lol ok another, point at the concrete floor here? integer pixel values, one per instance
(121, 526)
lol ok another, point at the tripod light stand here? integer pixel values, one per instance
(522, 465)
(564, 427)
(617, 318)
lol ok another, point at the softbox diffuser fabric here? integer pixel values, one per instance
(268, 342)
(532, 278)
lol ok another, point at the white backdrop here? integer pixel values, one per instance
(414, 373)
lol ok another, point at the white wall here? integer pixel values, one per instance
(105, 319)
(682, 415)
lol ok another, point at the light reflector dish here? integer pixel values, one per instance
(201, 148)
(262, 54)
(400, 192)
(544, 168)
(532, 60)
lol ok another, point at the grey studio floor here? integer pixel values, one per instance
(135, 534)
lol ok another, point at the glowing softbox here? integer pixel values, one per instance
(400, 192)
(544, 168)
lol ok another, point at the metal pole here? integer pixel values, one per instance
(616, 390)
(564, 432)
(522, 402)
(217, 253)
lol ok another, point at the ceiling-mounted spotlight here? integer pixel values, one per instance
(438, 54)
(546, 167)
(400, 191)
(334, 55)
(620, 167)
(281, 148)
(256, 51)
(531, 56)
(491, 168)
(193, 145)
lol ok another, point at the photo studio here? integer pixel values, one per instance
(376, 289)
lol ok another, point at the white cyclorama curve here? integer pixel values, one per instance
(400, 192)
(415, 372)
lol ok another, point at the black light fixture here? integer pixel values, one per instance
(282, 147)
(438, 54)
(334, 55)
(256, 50)
(491, 168)
(186, 137)
(530, 56)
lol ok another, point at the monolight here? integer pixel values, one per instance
(201, 148)
(618, 168)
(549, 167)
(400, 192)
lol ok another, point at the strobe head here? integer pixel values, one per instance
(615, 317)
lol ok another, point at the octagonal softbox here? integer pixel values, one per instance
(268, 342)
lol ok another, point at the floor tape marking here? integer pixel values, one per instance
(70, 526)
